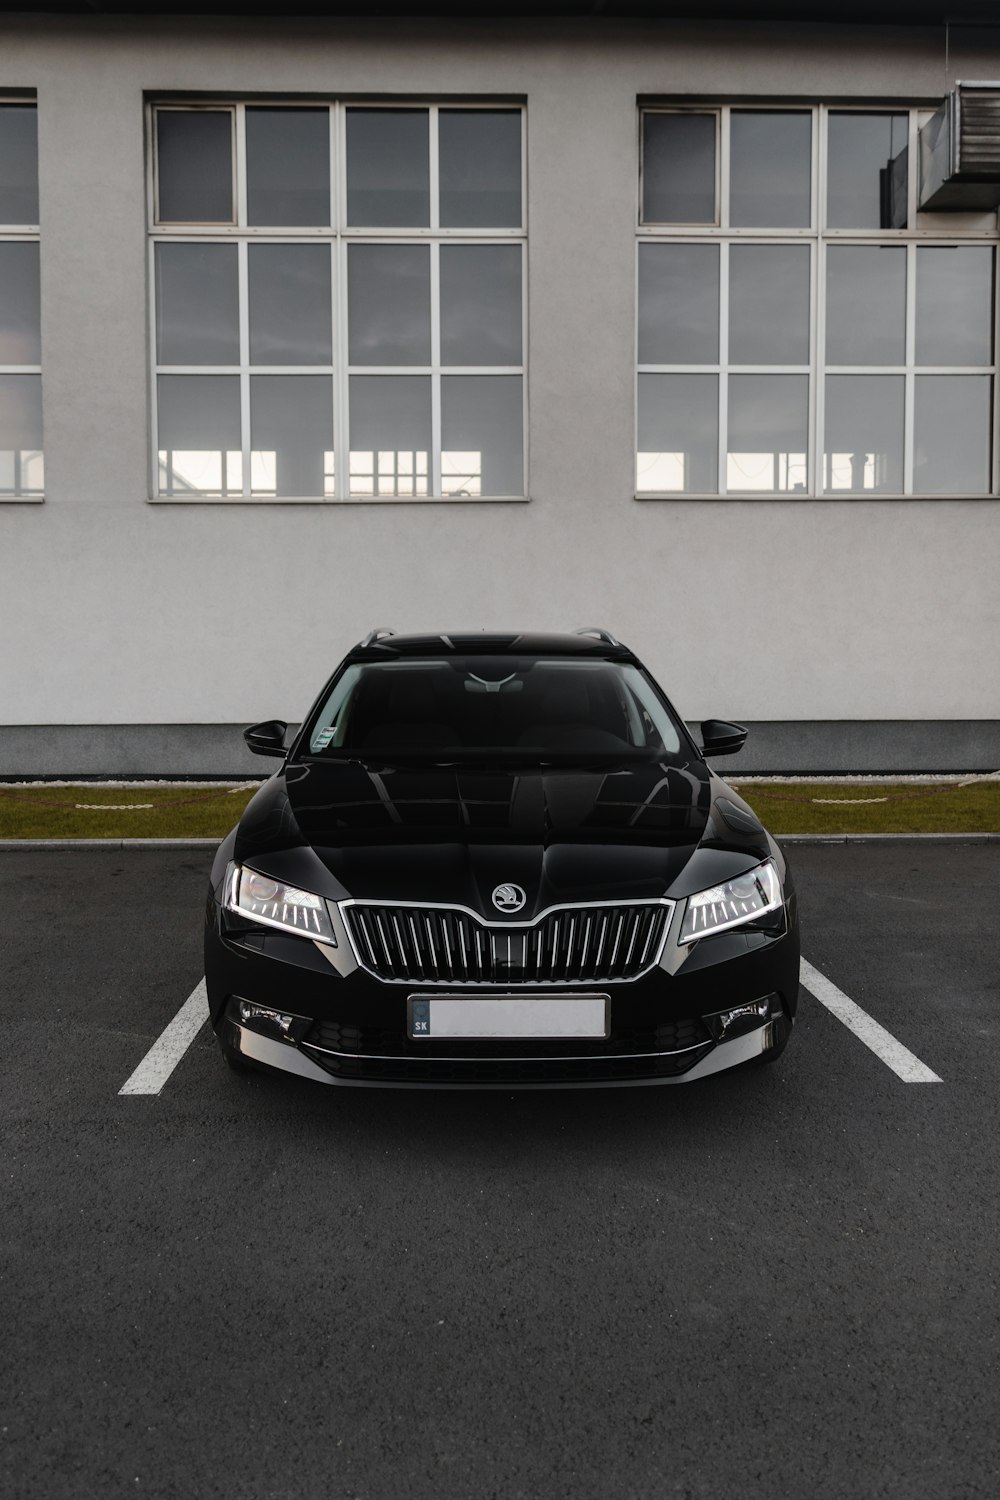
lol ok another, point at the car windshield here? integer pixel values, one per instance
(482, 708)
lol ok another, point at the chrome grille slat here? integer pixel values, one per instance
(450, 945)
(363, 929)
(605, 925)
(428, 927)
(636, 918)
(647, 943)
(418, 954)
(588, 922)
(398, 933)
(622, 919)
(380, 929)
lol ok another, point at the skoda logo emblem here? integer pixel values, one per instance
(509, 898)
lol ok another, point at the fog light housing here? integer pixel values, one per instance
(741, 1019)
(281, 1024)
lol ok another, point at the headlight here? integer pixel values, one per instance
(744, 899)
(261, 899)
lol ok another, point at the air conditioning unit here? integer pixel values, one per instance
(960, 151)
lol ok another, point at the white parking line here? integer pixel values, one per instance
(170, 1046)
(885, 1046)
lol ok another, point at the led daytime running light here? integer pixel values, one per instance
(745, 898)
(275, 904)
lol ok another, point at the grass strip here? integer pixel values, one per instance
(838, 807)
(118, 812)
(43, 812)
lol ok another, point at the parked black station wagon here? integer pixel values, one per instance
(499, 860)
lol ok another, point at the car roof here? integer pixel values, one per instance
(383, 645)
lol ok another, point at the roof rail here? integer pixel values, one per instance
(375, 635)
(600, 633)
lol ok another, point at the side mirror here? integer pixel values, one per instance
(718, 737)
(267, 738)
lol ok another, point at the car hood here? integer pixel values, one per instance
(452, 835)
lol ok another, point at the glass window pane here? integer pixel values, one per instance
(18, 164)
(768, 423)
(388, 167)
(481, 435)
(289, 288)
(288, 166)
(21, 470)
(291, 435)
(678, 304)
(954, 305)
(197, 305)
(480, 168)
(678, 430)
(390, 434)
(480, 304)
(20, 312)
(678, 168)
(951, 441)
(198, 434)
(389, 304)
(864, 434)
(769, 305)
(865, 305)
(859, 182)
(770, 169)
(194, 166)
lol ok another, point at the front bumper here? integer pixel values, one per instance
(511, 1072)
(351, 1030)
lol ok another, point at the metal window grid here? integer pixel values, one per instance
(26, 233)
(338, 235)
(924, 230)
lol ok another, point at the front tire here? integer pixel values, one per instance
(234, 1059)
(782, 1030)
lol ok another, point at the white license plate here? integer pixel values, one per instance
(508, 1017)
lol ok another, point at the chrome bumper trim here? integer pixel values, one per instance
(562, 1057)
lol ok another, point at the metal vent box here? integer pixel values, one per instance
(960, 151)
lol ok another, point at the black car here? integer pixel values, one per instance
(498, 860)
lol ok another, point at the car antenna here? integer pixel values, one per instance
(600, 633)
(373, 636)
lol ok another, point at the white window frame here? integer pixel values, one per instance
(29, 233)
(927, 229)
(338, 236)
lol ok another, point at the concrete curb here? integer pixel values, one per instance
(8, 844)
(788, 838)
(886, 838)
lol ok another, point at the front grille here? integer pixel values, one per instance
(448, 945)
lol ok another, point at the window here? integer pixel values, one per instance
(802, 329)
(337, 301)
(21, 465)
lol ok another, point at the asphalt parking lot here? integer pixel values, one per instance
(774, 1283)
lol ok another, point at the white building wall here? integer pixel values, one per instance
(120, 611)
